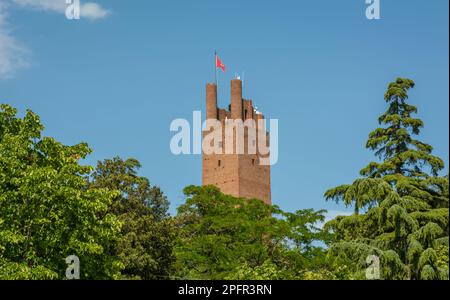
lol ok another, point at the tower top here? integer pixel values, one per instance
(237, 174)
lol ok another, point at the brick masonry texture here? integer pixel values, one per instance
(239, 175)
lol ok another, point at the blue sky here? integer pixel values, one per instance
(117, 77)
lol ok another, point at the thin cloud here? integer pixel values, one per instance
(12, 54)
(89, 10)
(46, 5)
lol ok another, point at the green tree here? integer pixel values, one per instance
(46, 213)
(224, 237)
(147, 237)
(405, 200)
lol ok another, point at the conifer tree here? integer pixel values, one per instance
(406, 219)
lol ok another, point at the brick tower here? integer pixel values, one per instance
(239, 175)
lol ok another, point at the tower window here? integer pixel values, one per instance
(253, 161)
(245, 114)
(219, 163)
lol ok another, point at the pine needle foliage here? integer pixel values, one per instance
(405, 201)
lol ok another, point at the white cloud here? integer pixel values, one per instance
(88, 10)
(93, 11)
(12, 54)
(48, 5)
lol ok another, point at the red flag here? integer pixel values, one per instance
(219, 64)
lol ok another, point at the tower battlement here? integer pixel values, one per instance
(237, 174)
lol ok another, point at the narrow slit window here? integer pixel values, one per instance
(219, 163)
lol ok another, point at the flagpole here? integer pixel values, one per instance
(215, 68)
(215, 73)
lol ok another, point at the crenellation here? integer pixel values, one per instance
(239, 175)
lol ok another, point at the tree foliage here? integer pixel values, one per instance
(46, 212)
(148, 233)
(405, 200)
(117, 223)
(224, 237)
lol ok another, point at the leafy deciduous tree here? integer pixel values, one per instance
(46, 212)
(148, 233)
(223, 237)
